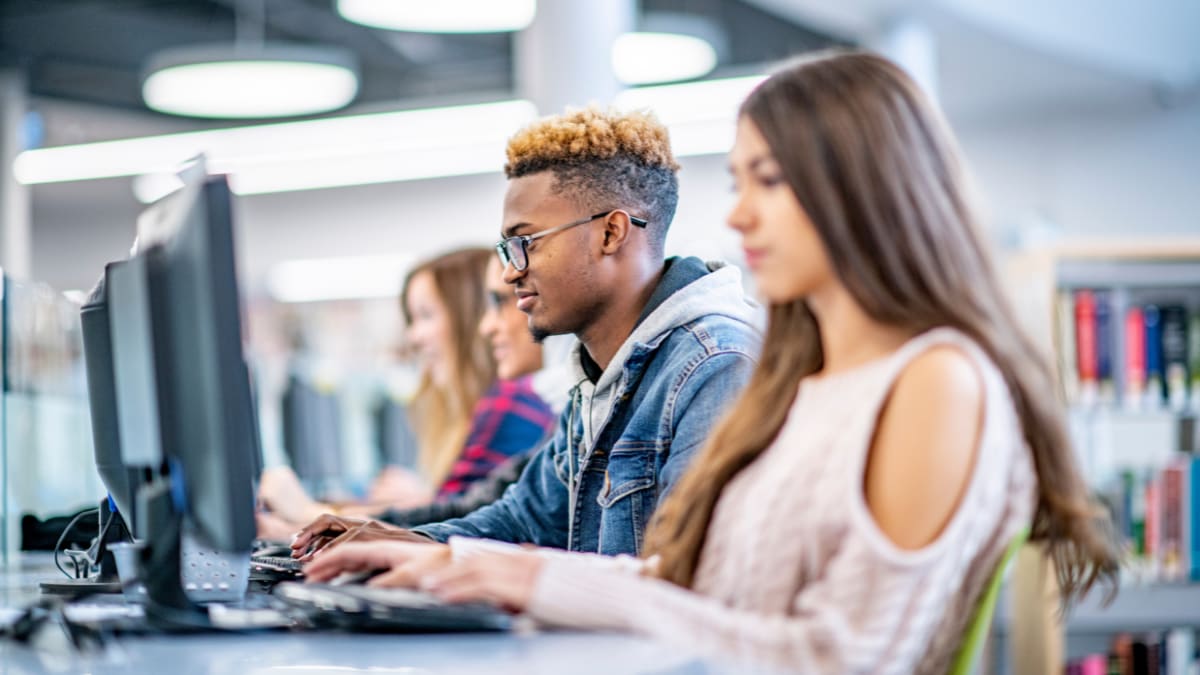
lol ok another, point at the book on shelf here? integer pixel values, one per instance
(1175, 355)
(1106, 388)
(1135, 357)
(1145, 356)
(1064, 325)
(1154, 368)
(1156, 513)
(1194, 360)
(1170, 652)
(1087, 362)
(1170, 550)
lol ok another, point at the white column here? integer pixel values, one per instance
(15, 220)
(913, 46)
(564, 57)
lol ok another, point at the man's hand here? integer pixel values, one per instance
(406, 563)
(364, 531)
(317, 534)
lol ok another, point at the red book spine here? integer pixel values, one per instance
(1135, 355)
(1153, 525)
(1172, 522)
(1085, 336)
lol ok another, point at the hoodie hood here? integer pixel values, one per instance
(716, 292)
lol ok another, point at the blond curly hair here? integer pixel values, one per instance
(604, 159)
(589, 134)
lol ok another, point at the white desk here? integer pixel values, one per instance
(303, 653)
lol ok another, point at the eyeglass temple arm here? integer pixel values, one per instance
(640, 222)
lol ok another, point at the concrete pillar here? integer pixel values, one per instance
(913, 46)
(15, 220)
(563, 57)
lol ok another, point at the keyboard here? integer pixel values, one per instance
(277, 563)
(392, 610)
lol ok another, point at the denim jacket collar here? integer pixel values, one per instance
(717, 293)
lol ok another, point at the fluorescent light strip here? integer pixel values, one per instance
(380, 147)
(367, 169)
(701, 116)
(397, 135)
(441, 16)
(323, 279)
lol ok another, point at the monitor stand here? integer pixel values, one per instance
(112, 530)
(168, 608)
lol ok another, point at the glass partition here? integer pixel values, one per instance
(46, 457)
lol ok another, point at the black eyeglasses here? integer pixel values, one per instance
(513, 251)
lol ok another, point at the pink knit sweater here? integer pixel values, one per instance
(795, 572)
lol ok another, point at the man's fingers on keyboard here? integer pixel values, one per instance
(319, 545)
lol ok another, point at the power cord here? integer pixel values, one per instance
(62, 537)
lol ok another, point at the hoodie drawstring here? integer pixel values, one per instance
(576, 402)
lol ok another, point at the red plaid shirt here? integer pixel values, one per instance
(509, 420)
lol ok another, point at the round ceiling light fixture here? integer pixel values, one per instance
(669, 47)
(648, 58)
(441, 16)
(237, 82)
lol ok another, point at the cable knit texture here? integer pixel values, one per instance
(795, 572)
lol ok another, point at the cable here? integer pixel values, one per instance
(63, 536)
(93, 551)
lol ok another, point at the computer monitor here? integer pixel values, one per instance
(173, 397)
(312, 433)
(102, 403)
(120, 478)
(395, 443)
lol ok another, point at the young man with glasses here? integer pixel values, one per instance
(663, 345)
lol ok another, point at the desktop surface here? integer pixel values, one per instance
(288, 653)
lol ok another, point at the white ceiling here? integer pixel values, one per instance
(999, 60)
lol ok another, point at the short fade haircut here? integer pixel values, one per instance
(605, 160)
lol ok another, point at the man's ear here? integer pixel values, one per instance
(617, 232)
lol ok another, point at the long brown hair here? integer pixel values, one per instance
(441, 416)
(876, 170)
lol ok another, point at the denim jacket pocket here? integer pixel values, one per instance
(630, 470)
(627, 498)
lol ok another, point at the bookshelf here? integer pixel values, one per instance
(1132, 414)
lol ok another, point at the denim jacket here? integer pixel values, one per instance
(623, 442)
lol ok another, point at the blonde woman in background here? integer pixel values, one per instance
(442, 300)
(465, 424)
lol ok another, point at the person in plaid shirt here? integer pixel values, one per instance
(508, 420)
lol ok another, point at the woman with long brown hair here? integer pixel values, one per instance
(899, 431)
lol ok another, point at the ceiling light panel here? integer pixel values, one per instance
(441, 16)
(373, 148)
(223, 81)
(646, 58)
